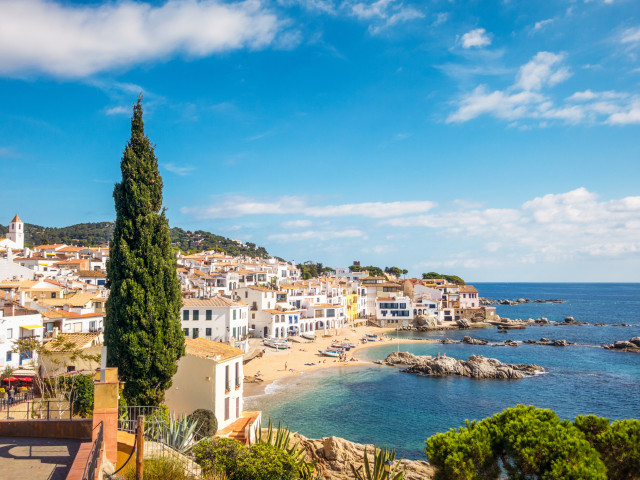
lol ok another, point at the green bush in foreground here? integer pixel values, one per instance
(207, 424)
(218, 454)
(262, 461)
(528, 443)
(166, 468)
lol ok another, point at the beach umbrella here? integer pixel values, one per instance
(27, 379)
(11, 379)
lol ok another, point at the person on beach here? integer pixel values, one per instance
(11, 393)
(285, 366)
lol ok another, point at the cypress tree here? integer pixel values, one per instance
(143, 333)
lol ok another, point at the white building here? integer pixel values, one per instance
(216, 318)
(15, 235)
(17, 322)
(394, 311)
(209, 376)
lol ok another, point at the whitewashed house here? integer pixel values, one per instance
(216, 318)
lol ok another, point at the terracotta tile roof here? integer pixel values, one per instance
(73, 341)
(70, 249)
(211, 302)
(263, 289)
(204, 348)
(326, 305)
(50, 247)
(77, 300)
(16, 219)
(468, 289)
(91, 273)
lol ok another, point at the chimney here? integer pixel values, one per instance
(22, 298)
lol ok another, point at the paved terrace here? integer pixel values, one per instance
(36, 458)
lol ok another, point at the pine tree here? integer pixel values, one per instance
(143, 333)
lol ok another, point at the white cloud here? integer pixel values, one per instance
(542, 23)
(525, 100)
(382, 13)
(440, 19)
(552, 227)
(181, 170)
(67, 40)
(233, 207)
(119, 110)
(313, 235)
(543, 70)
(631, 36)
(296, 224)
(475, 38)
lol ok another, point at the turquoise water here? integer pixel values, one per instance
(377, 404)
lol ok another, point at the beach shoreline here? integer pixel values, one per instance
(303, 356)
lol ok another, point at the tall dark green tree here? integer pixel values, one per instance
(143, 334)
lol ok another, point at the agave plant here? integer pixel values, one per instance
(376, 471)
(175, 431)
(281, 439)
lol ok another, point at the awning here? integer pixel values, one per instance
(31, 327)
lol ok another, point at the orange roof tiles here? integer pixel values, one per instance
(204, 348)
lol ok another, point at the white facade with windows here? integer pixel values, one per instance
(17, 323)
(216, 318)
(394, 311)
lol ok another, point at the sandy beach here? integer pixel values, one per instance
(303, 356)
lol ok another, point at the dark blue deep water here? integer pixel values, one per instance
(383, 406)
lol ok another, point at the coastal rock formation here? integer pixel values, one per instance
(546, 341)
(571, 321)
(504, 301)
(632, 345)
(463, 323)
(447, 341)
(335, 456)
(474, 341)
(476, 367)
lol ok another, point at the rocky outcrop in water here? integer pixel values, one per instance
(335, 456)
(632, 345)
(552, 343)
(474, 341)
(505, 301)
(476, 367)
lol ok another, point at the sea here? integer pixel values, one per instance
(381, 405)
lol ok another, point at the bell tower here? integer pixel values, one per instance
(16, 232)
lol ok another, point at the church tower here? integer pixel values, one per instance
(16, 232)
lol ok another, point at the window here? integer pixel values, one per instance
(226, 408)
(186, 332)
(9, 332)
(185, 315)
(253, 317)
(196, 314)
(234, 314)
(208, 314)
(196, 332)
(237, 407)
(237, 374)
(227, 387)
(208, 332)
(246, 294)
(8, 356)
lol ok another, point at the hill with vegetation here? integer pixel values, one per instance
(100, 233)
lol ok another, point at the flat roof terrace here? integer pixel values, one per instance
(37, 458)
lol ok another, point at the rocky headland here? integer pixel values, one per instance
(334, 457)
(632, 345)
(546, 341)
(476, 367)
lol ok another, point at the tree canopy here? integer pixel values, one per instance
(449, 278)
(143, 333)
(532, 443)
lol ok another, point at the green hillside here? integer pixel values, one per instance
(99, 233)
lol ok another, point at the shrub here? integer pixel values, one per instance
(524, 441)
(81, 395)
(218, 455)
(165, 468)
(207, 424)
(262, 461)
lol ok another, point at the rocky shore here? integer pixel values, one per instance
(518, 301)
(334, 457)
(546, 341)
(632, 345)
(476, 367)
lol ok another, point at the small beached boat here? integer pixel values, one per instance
(329, 353)
(370, 337)
(308, 335)
(276, 343)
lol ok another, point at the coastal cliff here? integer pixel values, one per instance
(335, 456)
(476, 367)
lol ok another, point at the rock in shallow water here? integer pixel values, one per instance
(476, 367)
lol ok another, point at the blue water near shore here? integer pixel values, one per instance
(378, 404)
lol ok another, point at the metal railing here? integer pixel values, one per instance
(37, 409)
(20, 397)
(91, 467)
(161, 439)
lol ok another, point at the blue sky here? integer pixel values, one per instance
(494, 140)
